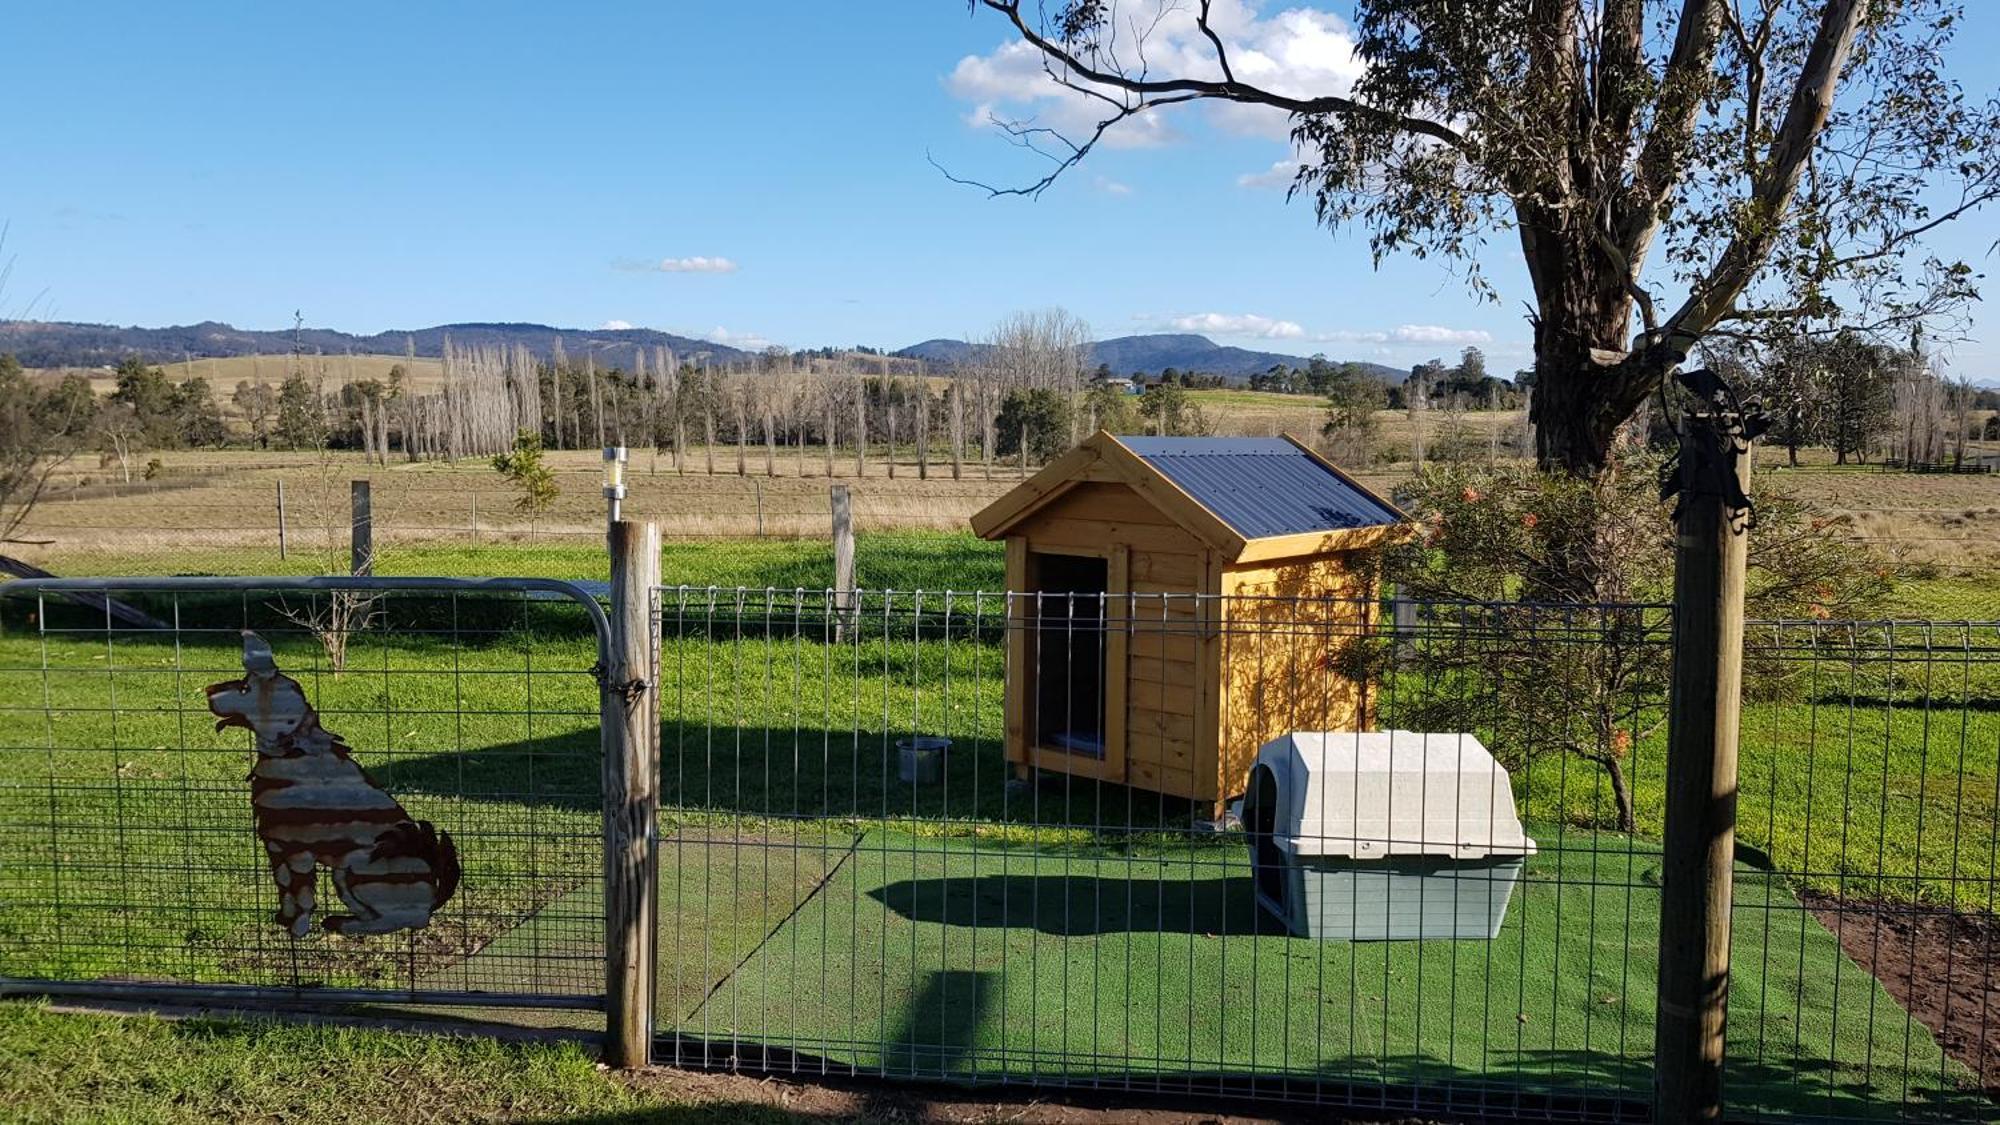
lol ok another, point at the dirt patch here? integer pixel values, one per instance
(1942, 967)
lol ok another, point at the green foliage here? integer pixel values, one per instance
(1111, 407)
(1041, 414)
(1561, 584)
(522, 467)
(164, 415)
(39, 431)
(1169, 412)
(197, 416)
(301, 415)
(1352, 398)
(150, 395)
(259, 403)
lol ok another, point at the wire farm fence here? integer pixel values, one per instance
(297, 521)
(839, 895)
(443, 775)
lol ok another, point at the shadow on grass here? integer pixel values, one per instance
(1082, 905)
(787, 773)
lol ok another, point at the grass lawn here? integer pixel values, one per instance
(948, 958)
(58, 1066)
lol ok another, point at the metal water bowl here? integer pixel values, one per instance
(920, 760)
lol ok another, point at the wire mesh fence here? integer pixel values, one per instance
(385, 791)
(1030, 838)
(292, 519)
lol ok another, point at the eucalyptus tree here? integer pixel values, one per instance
(1670, 169)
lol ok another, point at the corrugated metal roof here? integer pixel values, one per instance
(1262, 487)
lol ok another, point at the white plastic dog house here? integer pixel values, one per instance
(1383, 836)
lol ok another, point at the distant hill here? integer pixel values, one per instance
(42, 343)
(1150, 355)
(39, 343)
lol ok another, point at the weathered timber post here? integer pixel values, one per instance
(281, 519)
(843, 556)
(1405, 618)
(1712, 532)
(629, 732)
(361, 530)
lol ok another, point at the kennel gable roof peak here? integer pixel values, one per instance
(1250, 498)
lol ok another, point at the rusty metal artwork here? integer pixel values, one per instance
(316, 807)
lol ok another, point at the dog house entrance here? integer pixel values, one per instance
(1069, 652)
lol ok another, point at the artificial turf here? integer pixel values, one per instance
(949, 958)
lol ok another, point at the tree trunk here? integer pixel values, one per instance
(1587, 382)
(1621, 794)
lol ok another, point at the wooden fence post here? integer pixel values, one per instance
(361, 530)
(281, 519)
(843, 554)
(1702, 713)
(629, 729)
(1405, 618)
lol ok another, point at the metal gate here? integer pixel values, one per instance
(280, 792)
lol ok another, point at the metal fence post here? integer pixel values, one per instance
(1700, 836)
(630, 735)
(281, 519)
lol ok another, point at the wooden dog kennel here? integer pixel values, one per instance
(1178, 602)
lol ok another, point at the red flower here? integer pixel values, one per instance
(1530, 520)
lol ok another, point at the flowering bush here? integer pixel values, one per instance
(1544, 608)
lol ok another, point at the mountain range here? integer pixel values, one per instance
(1149, 355)
(64, 344)
(47, 343)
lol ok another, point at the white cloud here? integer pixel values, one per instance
(696, 264)
(1438, 334)
(1411, 334)
(1237, 324)
(748, 341)
(1110, 186)
(1280, 174)
(614, 326)
(1302, 52)
(1254, 325)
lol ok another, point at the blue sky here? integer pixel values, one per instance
(384, 166)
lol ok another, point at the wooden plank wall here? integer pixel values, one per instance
(1161, 647)
(1281, 648)
(1164, 735)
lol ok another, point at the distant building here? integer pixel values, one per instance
(1119, 382)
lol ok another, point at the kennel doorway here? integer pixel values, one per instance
(1068, 652)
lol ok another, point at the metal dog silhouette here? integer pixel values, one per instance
(315, 806)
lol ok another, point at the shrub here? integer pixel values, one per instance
(1549, 628)
(522, 467)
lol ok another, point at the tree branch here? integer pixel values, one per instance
(1659, 164)
(1778, 177)
(1226, 90)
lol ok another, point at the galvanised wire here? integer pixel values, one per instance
(821, 915)
(133, 868)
